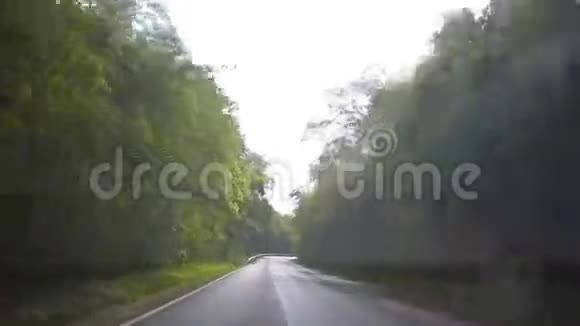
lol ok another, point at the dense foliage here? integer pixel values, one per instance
(499, 91)
(79, 80)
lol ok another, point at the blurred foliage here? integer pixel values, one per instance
(77, 81)
(497, 90)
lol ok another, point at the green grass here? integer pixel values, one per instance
(132, 287)
(116, 299)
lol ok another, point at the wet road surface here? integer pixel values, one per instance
(277, 291)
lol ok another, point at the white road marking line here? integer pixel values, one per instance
(171, 303)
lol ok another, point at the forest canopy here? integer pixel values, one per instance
(84, 78)
(498, 91)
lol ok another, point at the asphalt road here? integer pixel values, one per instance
(276, 291)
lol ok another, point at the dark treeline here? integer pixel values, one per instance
(499, 90)
(79, 80)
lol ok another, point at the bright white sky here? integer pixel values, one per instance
(288, 53)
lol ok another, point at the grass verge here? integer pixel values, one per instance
(106, 302)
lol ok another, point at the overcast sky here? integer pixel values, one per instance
(283, 56)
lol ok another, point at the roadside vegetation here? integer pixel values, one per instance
(78, 80)
(498, 90)
(107, 301)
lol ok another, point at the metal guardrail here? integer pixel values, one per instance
(255, 258)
